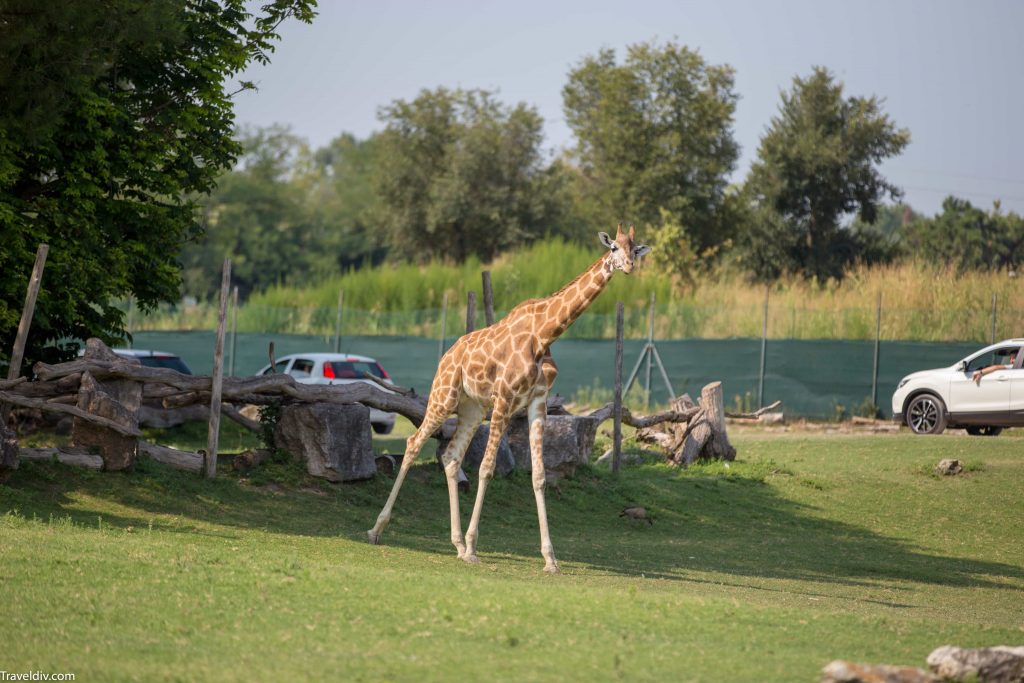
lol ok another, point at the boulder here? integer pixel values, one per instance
(841, 671)
(948, 467)
(999, 664)
(504, 464)
(117, 400)
(334, 441)
(568, 440)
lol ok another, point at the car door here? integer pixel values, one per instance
(1017, 391)
(988, 398)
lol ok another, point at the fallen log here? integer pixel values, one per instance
(182, 460)
(89, 460)
(605, 412)
(25, 402)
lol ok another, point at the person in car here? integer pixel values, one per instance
(978, 374)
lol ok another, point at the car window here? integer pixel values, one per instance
(278, 368)
(301, 368)
(172, 362)
(348, 369)
(1000, 356)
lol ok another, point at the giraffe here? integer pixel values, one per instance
(503, 369)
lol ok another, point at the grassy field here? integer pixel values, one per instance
(920, 301)
(808, 548)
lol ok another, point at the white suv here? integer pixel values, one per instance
(931, 400)
(336, 368)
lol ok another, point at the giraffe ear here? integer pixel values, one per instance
(641, 250)
(606, 239)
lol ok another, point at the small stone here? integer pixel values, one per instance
(948, 467)
(999, 664)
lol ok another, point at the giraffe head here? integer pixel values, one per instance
(623, 252)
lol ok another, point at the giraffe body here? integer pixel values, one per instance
(504, 369)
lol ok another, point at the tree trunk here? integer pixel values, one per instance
(706, 437)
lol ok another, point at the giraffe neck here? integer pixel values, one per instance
(562, 308)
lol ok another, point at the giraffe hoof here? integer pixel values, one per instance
(552, 569)
(373, 536)
(471, 558)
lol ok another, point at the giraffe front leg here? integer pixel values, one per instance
(469, 419)
(538, 416)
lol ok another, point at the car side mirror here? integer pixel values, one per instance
(962, 367)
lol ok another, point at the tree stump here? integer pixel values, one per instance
(117, 400)
(706, 437)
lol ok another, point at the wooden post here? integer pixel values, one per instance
(874, 368)
(444, 324)
(470, 312)
(218, 376)
(488, 297)
(764, 345)
(617, 414)
(337, 324)
(131, 322)
(234, 329)
(18, 352)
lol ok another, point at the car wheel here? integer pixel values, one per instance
(926, 414)
(985, 431)
(383, 427)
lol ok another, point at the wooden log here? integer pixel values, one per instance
(250, 458)
(25, 402)
(708, 437)
(182, 460)
(217, 381)
(485, 276)
(21, 338)
(617, 400)
(8, 452)
(89, 460)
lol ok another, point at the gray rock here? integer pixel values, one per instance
(334, 441)
(116, 400)
(504, 464)
(841, 671)
(999, 664)
(8, 453)
(568, 440)
(948, 467)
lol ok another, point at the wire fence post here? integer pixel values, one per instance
(650, 345)
(764, 346)
(874, 368)
(217, 382)
(617, 411)
(444, 323)
(470, 311)
(337, 322)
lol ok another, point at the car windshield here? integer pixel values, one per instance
(349, 369)
(172, 362)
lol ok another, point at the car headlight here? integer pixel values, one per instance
(903, 382)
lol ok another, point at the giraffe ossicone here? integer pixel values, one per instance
(504, 369)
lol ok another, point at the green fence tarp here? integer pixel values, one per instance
(812, 378)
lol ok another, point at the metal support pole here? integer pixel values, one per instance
(993, 319)
(650, 346)
(764, 347)
(234, 330)
(444, 323)
(488, 297)
(337, 323)
(874, 368)
(617, 413)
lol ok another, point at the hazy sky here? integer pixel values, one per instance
(950, 72)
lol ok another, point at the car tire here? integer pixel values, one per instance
(926, 414)
(984, 431)
(382, 427)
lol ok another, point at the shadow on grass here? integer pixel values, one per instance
(724, 524)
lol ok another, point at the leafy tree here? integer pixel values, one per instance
(655, 133)
(113, 117)
(458, 175)
(817, 164)
(968, 238)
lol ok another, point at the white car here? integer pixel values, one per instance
(931, 400)
(336, 368)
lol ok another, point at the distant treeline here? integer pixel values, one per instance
(457, 175)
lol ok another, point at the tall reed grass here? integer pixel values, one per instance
(919, 301)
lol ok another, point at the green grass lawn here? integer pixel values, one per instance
(806, 549)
